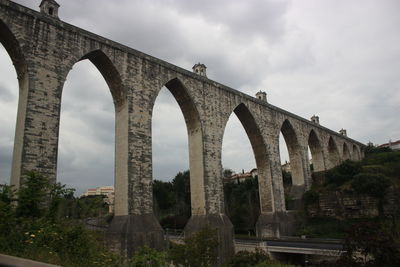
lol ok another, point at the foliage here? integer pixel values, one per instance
(258, 258)
(242, 204)
(172, 200)
(310, 197)
(31, 229)
(199, 250)
(343, 173)
(371, 244)
(287, 178)
(324, 227)
(147, 257)
(247, 258)
(374, 185)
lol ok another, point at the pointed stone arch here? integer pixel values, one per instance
(260, 154)
(333, 153)
(293, 146)
(119, 95)
(355, 153)
(346, 152)
(195, 138)
(14, 50)
(317, 152)
(110, 75)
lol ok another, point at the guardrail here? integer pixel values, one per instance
(11, 261)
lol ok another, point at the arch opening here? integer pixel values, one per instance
(346, 152)
(13, 50)
(316, 151)
(247, 193)
(8, 109)
(92, 140)
(294, 191)
(188, 186)
(356, 153)
(333, 153)
(171, 175)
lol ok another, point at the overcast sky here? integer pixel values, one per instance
(339, 59)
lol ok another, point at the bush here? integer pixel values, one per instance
(30, 228)
(247, 258)
(343, 173)
(371, 244)
(200, 249)
(147, 257)
(374, 185)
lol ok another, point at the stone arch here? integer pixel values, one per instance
(119, 95)
(195, 136)
(293, 146)
(261, 156)
(333, 153)
(12, 45)
(13, 48)
(346, 152)
(316, 150)
(110, 75)
(355, 153)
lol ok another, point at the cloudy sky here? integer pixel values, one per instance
(339, 59)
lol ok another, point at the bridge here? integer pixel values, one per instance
(44, 49)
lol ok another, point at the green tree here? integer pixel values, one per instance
(32, 201)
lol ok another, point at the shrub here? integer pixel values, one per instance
(148, 257)
(370, 244)
(343, 173)
(247, 258)
(200, 249)
(370, 184)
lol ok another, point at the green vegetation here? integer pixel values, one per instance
(259, 258)
(172, 201)
(31, 227)
(242, 205)
(368, 241)
(200, 249)
(372, 244)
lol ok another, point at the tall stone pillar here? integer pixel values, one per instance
(134, 224)
(36, 137)
(213, 214)
(274, 220)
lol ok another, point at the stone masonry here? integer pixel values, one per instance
(44, 49)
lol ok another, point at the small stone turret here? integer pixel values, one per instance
(261, 95)
(50, 8)
(315, 119)
(343, 132)
(200, 69)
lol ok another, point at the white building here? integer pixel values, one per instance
(107, 191)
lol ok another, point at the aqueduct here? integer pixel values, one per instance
(44, 49)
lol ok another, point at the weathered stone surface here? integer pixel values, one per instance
(276, 224)
(44, 49)
(127, 233)
(224, 228)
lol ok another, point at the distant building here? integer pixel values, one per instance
(286, 166)
(107, 191)
(240, 177)
(392, 145)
